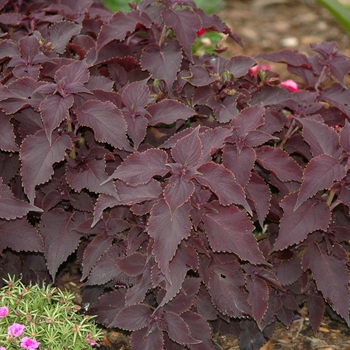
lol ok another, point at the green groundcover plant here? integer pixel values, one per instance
(196, 193)
(33, 317)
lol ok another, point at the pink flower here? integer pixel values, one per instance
(91, 341)
(2, 348)
(4, 310)
(290, 84)
(257, 68)
(29, 344)
(201, 32)
(15, 330)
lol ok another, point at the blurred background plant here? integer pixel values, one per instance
(340, 10)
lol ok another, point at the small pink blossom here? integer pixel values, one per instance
(91, 341)
(290, 84)
(257, 68)
(29, 344)
(15, 330)
(4, 310)
(2, 348)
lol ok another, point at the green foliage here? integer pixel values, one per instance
(49, 315)
(340, 12)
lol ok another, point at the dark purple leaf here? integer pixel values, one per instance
(132, 318)
(168, 112)
(223, 183)
(107, 122)
(139, 168)
(345, 137)
(279, 163)
(145, 339)
(185, 24)
(245, 157)
(168, 230)
(258, 298)
(188, 150)
(178, 330)
(60, 238)
(11, 207)
(162, 62)
(132, 265)
(271, 95)
(321, 138)
(136, 95)
(230, 230)
(330, 270)
(248, 120)
(200, 76)
(88, 171)
(7, 137)
(319, 174)
(38, 158)
(238, 66)
(19, 235)
(225, 110)
(9, 165)
(120, 25)
(337, 96)
(54, 110)
(295, 225)
(316, 307)
(260, 194)
(61, 33)
(288, 270)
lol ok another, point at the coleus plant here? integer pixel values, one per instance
(195, 195)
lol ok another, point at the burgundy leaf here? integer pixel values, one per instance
(345, 137)
(139, 168)
(224, 110)
(178, 330)
(337, 96)
(107, 122)
(316, 307)
(178, 191)
(162, 62)
(137, 128)
(200, 76)
(249, 120)
(198, 326)
(168, 230)
(108, 306)
(11, 207)
(319, 174)
(133, 264)
(258, 298)
(321, 138)
(330, 270)
(185, 24)
(168, 112)
(271, 95)
(136, 95)
(260, 194)
(230, 230)
(93, 252)
(279, 163)
(120, 25)
(132, 318)
(60, 238)
(38, 158)
(188, 150)
(145, 339)
(88, 172)
(19, 235)
(223, 183)
(9, 165)
(54, 110)
(20, 94)
(226, 293)
(295, 225)
(61, 33)
(7, 137)
(130, 195)
(240, 162)
(184, 259)
(238, 66)
(288, 270)
(8, 48)
(73, 73)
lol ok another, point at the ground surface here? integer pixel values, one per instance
(268, 26)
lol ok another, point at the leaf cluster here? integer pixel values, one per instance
(196, 196)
